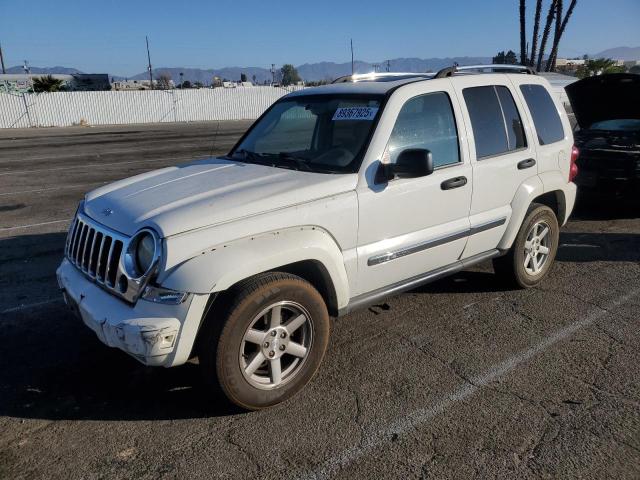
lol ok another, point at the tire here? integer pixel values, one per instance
(511, 268)
(236, 349)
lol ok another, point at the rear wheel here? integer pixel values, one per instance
(271, 342)
(530, 258)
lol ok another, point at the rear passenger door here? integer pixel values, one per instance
(502, 155)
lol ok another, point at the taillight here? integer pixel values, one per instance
(573, 168)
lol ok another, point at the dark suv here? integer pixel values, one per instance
(607, 109)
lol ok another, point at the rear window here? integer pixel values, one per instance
(497, 126)
(544, 113)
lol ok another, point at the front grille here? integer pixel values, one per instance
(96, 251)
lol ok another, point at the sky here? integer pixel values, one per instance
(108, 36)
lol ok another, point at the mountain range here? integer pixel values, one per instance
(321, 70)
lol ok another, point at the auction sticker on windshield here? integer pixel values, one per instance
(355, 113)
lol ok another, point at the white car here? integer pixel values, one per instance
(336, 197)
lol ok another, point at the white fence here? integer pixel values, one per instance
(120, 107)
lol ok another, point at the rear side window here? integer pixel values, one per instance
(544, 113)
(497, 126)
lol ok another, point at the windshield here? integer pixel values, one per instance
(618, 125)
(320, 133)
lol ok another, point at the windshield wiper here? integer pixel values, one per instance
(300, 163)
(251, 157)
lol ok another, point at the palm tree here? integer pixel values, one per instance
(523, 33)
(545, 33)
(47, 84)
(536, 31)
(560, 28)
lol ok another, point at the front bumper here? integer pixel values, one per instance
(154, 334)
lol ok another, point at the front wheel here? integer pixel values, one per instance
(530, 258)
(271, 342)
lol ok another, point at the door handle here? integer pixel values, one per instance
(456, 182)
(528, 163)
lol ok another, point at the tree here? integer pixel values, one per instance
(254, 78)
(164, 82)
(47, 84)
(523, 32)
(289, 75)
(561, 25)
(186, 84)
(508, 58)
(635, 69)
(536, 31)
(198, 85)
(243, 77)
(545, 33)
(598, 67)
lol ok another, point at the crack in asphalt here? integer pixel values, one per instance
(472, 385)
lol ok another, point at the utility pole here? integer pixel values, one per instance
(352, 71)
(375, 67)
(273, 73)
(149, 62)
(2, 60)
(388, 65)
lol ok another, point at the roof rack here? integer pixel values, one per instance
(493, 68)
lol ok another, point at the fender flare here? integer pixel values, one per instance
(227, 264)
(527, 191)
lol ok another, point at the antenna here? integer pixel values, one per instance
(149, 62)
(352, 70)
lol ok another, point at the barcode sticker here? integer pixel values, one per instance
(355, 113)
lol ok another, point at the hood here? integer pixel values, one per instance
(207, 192)
(605, 97)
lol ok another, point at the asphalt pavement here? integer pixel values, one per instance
(458, 379)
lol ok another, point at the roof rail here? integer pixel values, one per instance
(446, 72)
(497, 67)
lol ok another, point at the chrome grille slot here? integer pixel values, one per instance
(96, 251)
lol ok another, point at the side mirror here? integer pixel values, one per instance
(411, 163)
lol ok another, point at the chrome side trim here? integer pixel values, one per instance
(370, 298)
(388, 256)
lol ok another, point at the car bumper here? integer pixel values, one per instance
(155, 334)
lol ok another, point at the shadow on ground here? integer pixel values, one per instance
(53, 367)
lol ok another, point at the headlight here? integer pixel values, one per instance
(145, 251)
(142, 254)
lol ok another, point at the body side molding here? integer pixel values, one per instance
(386, 257)
(370, 298)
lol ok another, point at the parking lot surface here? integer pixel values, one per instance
(461, 378)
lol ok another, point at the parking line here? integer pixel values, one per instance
(77, 185)
(382, 436)
(29, 305)
(78, 167)
(6, 229)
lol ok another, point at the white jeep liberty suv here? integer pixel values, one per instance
(336, 197)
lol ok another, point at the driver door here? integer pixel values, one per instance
(411, 226)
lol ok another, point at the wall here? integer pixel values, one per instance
(121, 107)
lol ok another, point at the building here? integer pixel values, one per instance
(133, 84)
(76, 82)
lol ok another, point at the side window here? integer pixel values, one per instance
(497, 126)
(426, 121)
(544, 113)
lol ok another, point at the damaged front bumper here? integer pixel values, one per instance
(150, 332)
